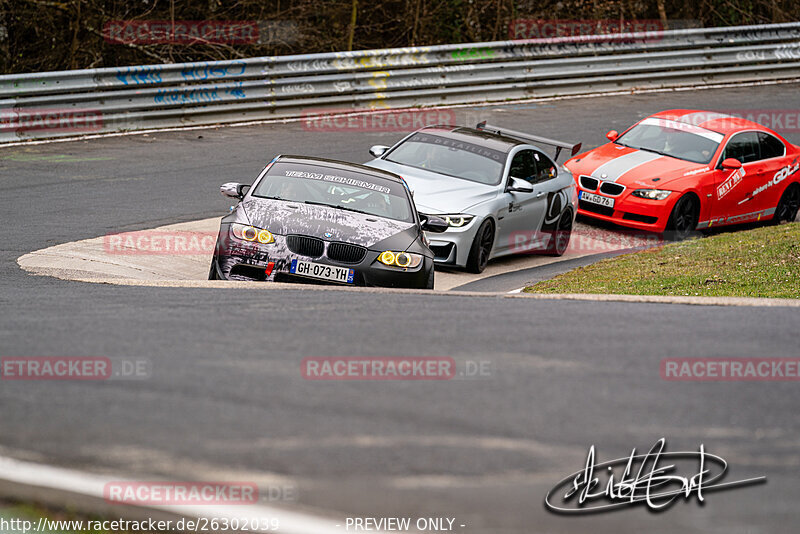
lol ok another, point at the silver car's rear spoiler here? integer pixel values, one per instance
(574, 148)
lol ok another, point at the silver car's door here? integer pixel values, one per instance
(520, 215)
(548, 187)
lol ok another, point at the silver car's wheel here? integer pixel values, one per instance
(481, 248)
(560, 239)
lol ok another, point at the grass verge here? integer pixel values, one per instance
(763, 262)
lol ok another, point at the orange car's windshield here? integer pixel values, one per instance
(673, 139)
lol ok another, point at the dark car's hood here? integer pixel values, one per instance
(280, 217)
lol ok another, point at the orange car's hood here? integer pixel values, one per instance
(632, 167)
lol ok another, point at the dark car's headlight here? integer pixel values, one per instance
(251, 233)
(406, 260)
(652, 194)
(457, 221)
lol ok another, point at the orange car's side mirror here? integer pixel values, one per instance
(731, 163)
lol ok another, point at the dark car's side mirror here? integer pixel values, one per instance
(431, 223)
(233, 190)
(612, 135)
(378, 150)
(517, 185)
(731, 163)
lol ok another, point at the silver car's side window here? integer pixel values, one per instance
(522, 166)
(545, 168)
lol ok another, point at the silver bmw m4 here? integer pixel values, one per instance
(498, 191)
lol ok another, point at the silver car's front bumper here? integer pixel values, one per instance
(452, 246)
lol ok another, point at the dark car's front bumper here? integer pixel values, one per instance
(242, 260)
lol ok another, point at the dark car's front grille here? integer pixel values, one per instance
(247, 272)
(589, 183)
(306, 246)
(346, 253)
(594, 208)
(610, 188)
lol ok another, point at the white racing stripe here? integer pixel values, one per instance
(613, 170)
(69, 483)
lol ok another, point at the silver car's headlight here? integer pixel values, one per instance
(651, 194)
(457, 221)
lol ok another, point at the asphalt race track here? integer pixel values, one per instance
(225, 398)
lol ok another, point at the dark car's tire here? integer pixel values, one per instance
(212, 273)
(563, 231)
(481, 248)
(682, 223)
(429, 285)
(788, 205)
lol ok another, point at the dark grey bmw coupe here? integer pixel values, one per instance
(318, 220)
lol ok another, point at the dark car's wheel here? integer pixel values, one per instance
(682, 221)
(481, 248)
(212, 273)
(430, 279)
(560, 241)
(788, 205)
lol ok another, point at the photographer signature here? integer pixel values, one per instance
(655, 485)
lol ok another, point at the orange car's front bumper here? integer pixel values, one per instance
(631, 211)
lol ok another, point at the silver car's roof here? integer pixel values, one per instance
(471, 135)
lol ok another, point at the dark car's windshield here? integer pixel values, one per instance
(671, 138)
(451, 157)
(346, 189)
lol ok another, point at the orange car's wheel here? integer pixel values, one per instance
(788, 205)
(682, 222)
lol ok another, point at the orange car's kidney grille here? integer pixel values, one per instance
(587, 182)
(610, 188)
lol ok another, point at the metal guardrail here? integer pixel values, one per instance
(66, 103)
